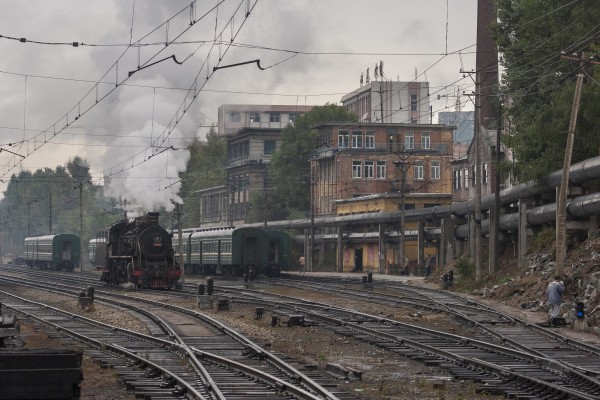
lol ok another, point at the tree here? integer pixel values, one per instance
(205, 169)
(288, 194)
(47, 201)
(531, 34)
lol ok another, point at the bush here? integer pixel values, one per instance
(465, 268)
(543, 240)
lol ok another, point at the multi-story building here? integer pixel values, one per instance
(390, 102)
(233, 117)
(367, 167)
(464, 121)
(253, 133)
(464, 169)
(364, 159)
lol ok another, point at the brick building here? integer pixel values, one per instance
(365, 159)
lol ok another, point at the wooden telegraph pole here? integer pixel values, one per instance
(561, 204)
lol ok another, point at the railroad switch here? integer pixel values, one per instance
(295, 320)
(367, 281)
(258, 312)
(223, 304)
(86, 298)
(344, 372)
(9, 331)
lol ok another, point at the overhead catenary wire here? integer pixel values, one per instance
(75, 112)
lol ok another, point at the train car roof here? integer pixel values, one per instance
(228, 231)
(49, 237)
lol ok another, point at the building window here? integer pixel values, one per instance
(293, 117)
(474, 174)
(418, 174)
(235, 117)
(369, 140)
(356, 169)
(466, 176)
(414, 121)
(357, 140)
(484, 178)
(343, 139)
(269, 146)
(274, 117)
(380, 169)
(435, 170)
(409, 140)
(254, 117)
(425, 140)
(369, 169)
(413, 102)
(457, 178)
(410, 206)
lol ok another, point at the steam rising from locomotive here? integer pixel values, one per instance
(138, 251)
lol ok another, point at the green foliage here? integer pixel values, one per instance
(531, 34)
(464, 268)
(543, 240)
(63, 200)
(289, 169)
(205, 169)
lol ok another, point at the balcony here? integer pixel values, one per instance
(383, 148)
(248, 160)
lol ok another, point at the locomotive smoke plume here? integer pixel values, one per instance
(155, 182)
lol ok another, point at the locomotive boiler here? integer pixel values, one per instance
(139, 252)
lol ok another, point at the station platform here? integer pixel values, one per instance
(357, 275)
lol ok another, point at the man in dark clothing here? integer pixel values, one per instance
(554, 291)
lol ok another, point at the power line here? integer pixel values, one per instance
(94, 95)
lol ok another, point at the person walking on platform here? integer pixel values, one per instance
(554, 291)
(301, 262)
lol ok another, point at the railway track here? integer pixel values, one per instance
(506, 360)
(220, 363)
(508, 357)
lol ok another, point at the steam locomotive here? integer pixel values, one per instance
(139, 252)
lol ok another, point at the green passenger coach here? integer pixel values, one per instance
(58, 252)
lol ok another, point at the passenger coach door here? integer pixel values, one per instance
(250, 252)
(273, 251)
(66, 251)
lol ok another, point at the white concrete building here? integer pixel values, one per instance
(390, 102)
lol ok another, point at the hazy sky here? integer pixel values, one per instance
(58, 101)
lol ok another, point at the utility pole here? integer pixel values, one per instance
(180, 238)
(561, 205)
(311, 249)
(477, 179)
(50, 215)
(495, 234)
(265, 191)
(477, 176)
(28, 204)
(81, 225)
(403, 167)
